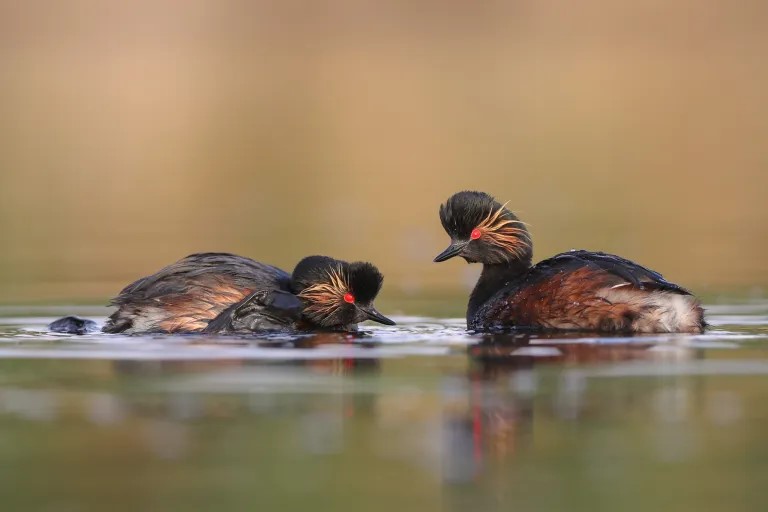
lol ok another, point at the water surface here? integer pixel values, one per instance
(422, 416)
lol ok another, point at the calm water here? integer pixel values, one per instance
(418, 417)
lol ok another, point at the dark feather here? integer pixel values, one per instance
(365, 281)
(196, 283)
(179, 277)
(262, 310)
(629, 271)
(463, 211)
(313, 269)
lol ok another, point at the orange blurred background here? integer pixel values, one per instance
(134, 133)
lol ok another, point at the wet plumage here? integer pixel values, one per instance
(575, 290)
(262, 310)
(224, 293)
(186, 295)
(338, 293)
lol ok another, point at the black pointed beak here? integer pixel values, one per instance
(453, 250)
(374, 315)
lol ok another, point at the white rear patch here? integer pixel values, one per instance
(658, 311)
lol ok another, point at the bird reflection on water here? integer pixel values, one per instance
(487, 418)
(487, 411)
(504, 393)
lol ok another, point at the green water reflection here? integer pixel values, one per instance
(489, 423)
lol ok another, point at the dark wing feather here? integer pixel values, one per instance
(192, 271)
(629, 271)
(262, 310)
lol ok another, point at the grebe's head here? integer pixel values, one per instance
(483, 231)
(337, 294)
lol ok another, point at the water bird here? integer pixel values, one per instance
(224, 293)
(325, 294)
(575, 290)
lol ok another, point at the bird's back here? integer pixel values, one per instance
(186, 295)
(591, 291)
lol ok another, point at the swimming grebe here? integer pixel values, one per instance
(575, 290)
(336, 293)
(225, 293)
(330, 294)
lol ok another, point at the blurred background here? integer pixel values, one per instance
(134, 133)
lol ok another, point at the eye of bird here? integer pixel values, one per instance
(476, 233)
(348, 297)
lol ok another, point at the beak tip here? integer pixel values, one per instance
(378, 317)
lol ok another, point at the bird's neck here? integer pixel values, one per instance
(493, 278)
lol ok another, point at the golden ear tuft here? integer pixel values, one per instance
(502, 232)
(324, 299)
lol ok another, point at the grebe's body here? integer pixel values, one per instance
(225, 293)
(587, 291)
(576, 290)
(188, 294)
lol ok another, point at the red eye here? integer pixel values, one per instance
(476, 233)
(349, 298)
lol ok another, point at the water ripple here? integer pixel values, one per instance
(23, 334)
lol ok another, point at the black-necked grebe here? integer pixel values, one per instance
(575, 290)
(325, 293)
(225, 293)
